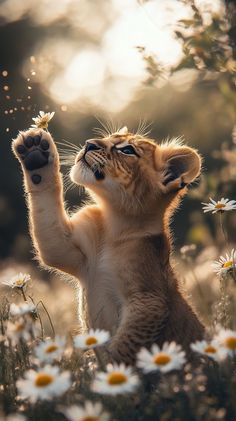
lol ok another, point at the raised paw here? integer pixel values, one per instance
(32, 149)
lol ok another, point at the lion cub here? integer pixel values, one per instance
(119, 248)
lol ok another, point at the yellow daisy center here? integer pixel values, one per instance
(43, 379)
(116, 378)
(231, 343)
(162, 359)
(228, 264)
(51, 348)
(90, 419)
(210, 349)
(19, 282)
(43, 124)
(220, 206)
(91, 340)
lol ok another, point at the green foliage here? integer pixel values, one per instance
(208, 48)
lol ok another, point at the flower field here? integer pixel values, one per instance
(49, 376)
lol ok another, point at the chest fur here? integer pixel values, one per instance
(115, 272)
(103, 290)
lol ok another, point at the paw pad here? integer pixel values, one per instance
(34, 153)
(36, 178)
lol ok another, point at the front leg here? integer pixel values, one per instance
(142, 324)
(50, 226)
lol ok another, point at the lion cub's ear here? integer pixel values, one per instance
(181, 165)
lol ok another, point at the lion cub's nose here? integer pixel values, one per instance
(91, 146)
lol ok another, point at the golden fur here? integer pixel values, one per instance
(119, 248)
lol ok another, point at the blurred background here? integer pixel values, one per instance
(170, 64)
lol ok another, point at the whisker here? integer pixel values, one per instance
(67, 154)
(143, 128)
(69, 145)
(67, 151)
(100, 132)
(109, 127)
(115, 127)
(66, 164)
(105, 129)
(67, 159)
(68, 184)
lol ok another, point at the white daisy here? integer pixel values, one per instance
(91, 339)
(226, 338)
(169, 357)
(22, 309)
(20, 329)
(90, 412)
(117, 379)
(221, 205)
(42, 120)
(209, 349)
(50, 349)
(225, 264)
(43, 384)
(18, 281)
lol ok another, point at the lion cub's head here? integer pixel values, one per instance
(134, 173)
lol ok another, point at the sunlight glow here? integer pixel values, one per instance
(97, 63)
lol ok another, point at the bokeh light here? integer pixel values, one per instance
(95, 63)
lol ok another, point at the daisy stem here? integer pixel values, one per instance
(49, 317)
(223, 228)
(99, 359)
(41, 325)
(223, 299)
(23, 293)
(198, 284)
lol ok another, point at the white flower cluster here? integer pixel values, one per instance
(47, 382)
(221, 346)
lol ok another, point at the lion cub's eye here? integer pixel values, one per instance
(128, 150)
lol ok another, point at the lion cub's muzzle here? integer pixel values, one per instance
(95, 157)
